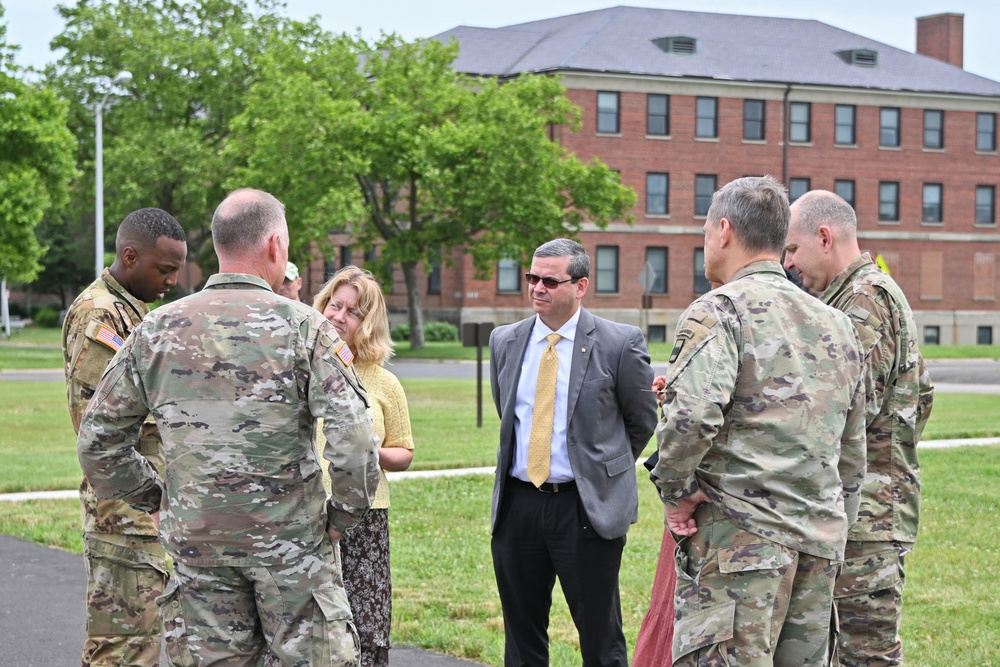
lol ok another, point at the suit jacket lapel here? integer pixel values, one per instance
(516, 346)
(583, 350)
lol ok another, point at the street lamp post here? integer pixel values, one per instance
(123, 78)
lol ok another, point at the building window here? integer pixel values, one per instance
(888, 201)
(607, 113)
(704, 188)
(657, 258)
(706, 117)
(888, 127)
(658, 115)
(656, 333)
(933, 128)
(986, 132)
(607, 269)
(799, 122)
(932, 335)
(753, 120)
(346, 256)
(985, 203)
(984, 335)
(932, 202)
(371, 255)
(657, 190)
(701, 284)
(843, 125)
(508, 276)
(844, 190)
(434, 278)
(796, 188)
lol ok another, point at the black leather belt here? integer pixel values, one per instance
(548, 487)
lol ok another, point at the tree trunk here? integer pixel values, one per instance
(413, 301)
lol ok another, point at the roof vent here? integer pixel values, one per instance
(859, 57)
(680, 45)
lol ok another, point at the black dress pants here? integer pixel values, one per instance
(540, 536)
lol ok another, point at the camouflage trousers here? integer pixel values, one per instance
(744, 600)
(869, 603)
(123, 581)
(298, 613)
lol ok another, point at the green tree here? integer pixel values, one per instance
(164, 136)
(396, 146)
(36, 163)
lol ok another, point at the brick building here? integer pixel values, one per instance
(680, 103)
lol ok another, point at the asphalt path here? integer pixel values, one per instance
(42, 592)
(972, 376)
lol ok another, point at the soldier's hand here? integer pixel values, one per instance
(334, 534)
(659, 387)
(680, 519)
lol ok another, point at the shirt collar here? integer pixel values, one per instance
(838, 281)
(567, 330)
(140, 307)
(760, 266)
(236, 280)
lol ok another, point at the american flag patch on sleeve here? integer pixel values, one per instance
(344, 353)
(109, 338)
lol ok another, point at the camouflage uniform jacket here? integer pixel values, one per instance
(899, 399)
(236, 377)
(765, 412)
(96, 324)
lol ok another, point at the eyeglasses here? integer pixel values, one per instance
(550, 283)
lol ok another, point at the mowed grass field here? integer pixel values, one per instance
(445, 596)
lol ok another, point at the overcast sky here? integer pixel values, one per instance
(33, 23)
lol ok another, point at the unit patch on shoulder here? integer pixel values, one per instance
(344, 353)
(109, 338)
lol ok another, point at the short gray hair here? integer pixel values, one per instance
(821, 207)
(579, 263)
(757, 209)
(245, 219)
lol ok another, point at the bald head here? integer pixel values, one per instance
(244, 222)
(822, 239)
(820, 207)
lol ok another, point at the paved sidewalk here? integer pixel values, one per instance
(42, 612)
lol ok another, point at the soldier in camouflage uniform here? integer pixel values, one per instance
(760, 447)
(822, 246)
(126, 566)
(236, 377)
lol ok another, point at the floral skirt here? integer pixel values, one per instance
(364, 554)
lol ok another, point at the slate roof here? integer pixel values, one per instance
(729, 47)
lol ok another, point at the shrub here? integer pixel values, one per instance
(400, 332)
(47, 318)
(440, 332)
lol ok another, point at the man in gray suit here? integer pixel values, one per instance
(572, 392)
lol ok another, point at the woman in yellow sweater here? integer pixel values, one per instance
(352, 301)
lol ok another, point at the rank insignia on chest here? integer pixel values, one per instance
(344, 353)
(109, 338)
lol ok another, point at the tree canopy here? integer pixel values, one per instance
(165, 133)
(388, 141)
(36, 163)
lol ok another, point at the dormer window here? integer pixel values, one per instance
(685, 46)
(859, 57)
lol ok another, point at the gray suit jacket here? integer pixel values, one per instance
(610, 418)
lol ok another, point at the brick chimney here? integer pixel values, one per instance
(941, 37)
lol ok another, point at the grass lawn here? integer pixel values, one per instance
(445, 596)
(38, 448)
(14, 356)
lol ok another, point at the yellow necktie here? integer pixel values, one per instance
(540, 444)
